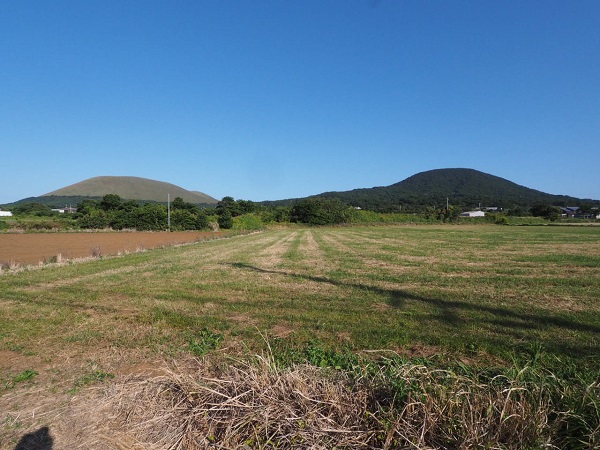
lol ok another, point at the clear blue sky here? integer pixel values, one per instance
(266, 100)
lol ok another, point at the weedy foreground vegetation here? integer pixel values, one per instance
(449, 337)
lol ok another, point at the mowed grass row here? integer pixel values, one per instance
(480, 291)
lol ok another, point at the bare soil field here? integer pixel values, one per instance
(40, 247)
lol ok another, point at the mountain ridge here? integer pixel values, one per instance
(464, 187)
(130, 188)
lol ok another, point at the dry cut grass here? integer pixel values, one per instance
(258, 405)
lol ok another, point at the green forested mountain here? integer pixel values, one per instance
(56, 201)
(462, 187)
(465, 188)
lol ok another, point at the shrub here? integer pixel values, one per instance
(248, 222)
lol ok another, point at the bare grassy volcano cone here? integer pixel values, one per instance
(131, 188)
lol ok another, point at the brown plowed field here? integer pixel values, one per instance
(40, 247)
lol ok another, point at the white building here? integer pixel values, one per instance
(472, 214)
(5, 213)
(66, 209)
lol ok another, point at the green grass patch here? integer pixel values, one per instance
(203, 341)
(93, 377)
(96, 376)
(26, 375)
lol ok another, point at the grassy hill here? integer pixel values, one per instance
(129, 188)
(463, 187)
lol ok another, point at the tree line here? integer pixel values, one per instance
(115, 213)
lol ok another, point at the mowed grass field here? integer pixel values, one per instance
(480, 295)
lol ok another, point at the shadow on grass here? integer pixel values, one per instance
(38, 440)
(456, 313)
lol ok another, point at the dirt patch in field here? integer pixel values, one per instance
(13, 360)
(53, 247)
(282, 330)
(145, 368)
(243, 319)
(381, 307)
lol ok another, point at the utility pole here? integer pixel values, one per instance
(169, 212)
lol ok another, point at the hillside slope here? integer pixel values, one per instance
(462, 187)
(130, 188)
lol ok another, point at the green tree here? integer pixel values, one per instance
(320, 211)
(86, 207)
(119, 219)
(516, 211)
(129, 206)
(546, 211)
(278, 214)
(33, 209)
(110, 202)
(177, 203)
(150, 217)
(96, 219)
(586, 207)
(182, 219)
(201, 220)
(228, 204)
(225, 220)
(246, 206)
